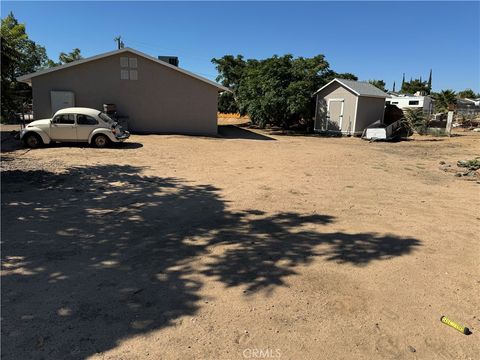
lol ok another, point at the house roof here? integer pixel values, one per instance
(27, 78)
(360, 88)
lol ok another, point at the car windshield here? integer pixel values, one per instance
(105, 118)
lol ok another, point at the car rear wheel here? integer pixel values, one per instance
(32, 140)
(100, 141)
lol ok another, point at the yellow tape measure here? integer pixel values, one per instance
(453, 324)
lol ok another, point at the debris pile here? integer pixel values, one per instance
(464, 168)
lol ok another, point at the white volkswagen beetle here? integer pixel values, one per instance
(74, 125)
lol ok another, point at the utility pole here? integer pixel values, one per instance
(120, 44)
(430, 82)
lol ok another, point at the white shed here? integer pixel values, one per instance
(348, 107)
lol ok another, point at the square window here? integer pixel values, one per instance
(133, 75)
(132, 63)
(124, 61)
(123, 74)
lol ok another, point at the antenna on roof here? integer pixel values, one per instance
(119, 42)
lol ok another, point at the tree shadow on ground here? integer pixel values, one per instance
(96, 255)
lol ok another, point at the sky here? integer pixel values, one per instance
(373, 40)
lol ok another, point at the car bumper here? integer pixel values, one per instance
(123, 136)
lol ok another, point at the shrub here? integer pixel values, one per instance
(415, 121)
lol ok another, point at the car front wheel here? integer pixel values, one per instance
(32, 140)
(100, 141)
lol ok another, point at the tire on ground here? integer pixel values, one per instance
(100, 141)
(32, 140)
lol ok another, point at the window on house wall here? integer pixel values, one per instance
(123, 74)
(133, 75)
(128, 68)
(394, 102)
(413, 102)
(124, 61)
(132, 62)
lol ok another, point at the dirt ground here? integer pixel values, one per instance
(241, 246)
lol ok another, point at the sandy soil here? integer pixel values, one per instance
(241, 246)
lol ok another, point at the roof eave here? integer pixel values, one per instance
(352, 90)
(336, 80)
(25, 79)
(223, 89)
(377, 96)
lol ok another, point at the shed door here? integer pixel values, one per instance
(335, 114)
(61, 100)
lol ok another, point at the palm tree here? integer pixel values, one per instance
(71, 56)
(414, 120)
(443, 99)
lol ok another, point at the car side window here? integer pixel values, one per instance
(86, 120)
(64, 119)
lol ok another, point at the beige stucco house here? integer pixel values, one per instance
(152, 95)
(348, 107)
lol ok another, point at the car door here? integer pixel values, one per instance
(85, 125)
(63, 128)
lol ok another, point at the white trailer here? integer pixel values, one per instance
(380, 131)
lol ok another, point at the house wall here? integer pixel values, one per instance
(336, 91)
(369, 110)
(162, 100)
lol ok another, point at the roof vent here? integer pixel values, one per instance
(172, 60)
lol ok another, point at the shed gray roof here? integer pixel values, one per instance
(360, 88)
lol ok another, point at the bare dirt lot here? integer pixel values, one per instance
(241, 246)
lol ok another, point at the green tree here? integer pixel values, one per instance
(468, 94)
(8, 61)
(50, 63)
(429, 83)
(412, 86)
(278, 90)
(379, 84)
(230, 70)
(414, 120)
(346, 76)
(66, 58)
(443, 99)
(20, 56)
